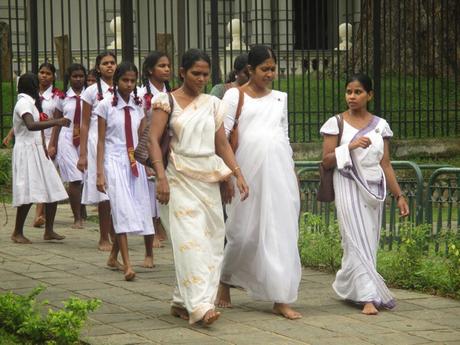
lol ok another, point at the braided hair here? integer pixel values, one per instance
(122, 68)
(149, 63)
(99, 58)
(72, 68)
(28, 84)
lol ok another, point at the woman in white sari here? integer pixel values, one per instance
(261, 254)
(363, 170)
(199, 159)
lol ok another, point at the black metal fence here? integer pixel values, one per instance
(409, 47)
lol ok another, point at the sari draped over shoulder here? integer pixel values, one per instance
(360, 191)
(194, 216)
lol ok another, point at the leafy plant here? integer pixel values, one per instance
(21, 315)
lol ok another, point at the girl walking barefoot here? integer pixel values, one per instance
(156, 71)
(121, 119)
(35, 179)
(105, 67)
(66, 142)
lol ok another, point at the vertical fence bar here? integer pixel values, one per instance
(45, 45)
(33, 12)
(127, 31)
(377, 53)
(26, 38)
(215, 41)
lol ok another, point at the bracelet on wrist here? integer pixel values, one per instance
(397, 197)
(235, 169)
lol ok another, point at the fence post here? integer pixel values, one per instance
(377, 51)
(215, 42)
(127, 31)
(33, 35)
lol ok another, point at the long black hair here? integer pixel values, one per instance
(72, 68)
(240, 63)
(193, 55)
(363, 79)
(28, 84)
(122, 68)
(99, 58)
(258, 54)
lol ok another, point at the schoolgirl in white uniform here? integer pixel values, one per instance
(35, 179)
(121, 118)
(156, 71)
(66, 141)
(105, 67)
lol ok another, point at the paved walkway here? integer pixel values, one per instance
(138, 312)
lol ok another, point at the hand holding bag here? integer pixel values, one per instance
(141, 153)
(326, 184)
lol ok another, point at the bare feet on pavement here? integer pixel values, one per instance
(20, 239)
(104, 246)
(53, 236)
(223, 299)
(148, 262)
(210, 316)
(286, 311)
(179, 312)
(370, 309)
(129, 274)
(39, 222)
(157, 243)
(114, 263)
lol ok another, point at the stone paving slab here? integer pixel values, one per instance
(138, 312)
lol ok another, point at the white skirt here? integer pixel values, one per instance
(35, 179)
(129, 196)
(67, 158)
(90, 194)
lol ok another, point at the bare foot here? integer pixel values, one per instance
(157, 243)
(223, 299)
(148, 262)
(179, 312)
(210, 316)
(77, 225)
(104, 246)
(286, 311)
(39, 222)
(53, 236)
(20, 239)
(114, 263)
(129, 274)
(370, 309)
(160, 230)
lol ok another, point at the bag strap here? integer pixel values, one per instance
(239, 107)
(339, 119)
(171, 106)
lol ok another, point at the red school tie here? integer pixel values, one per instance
(43, 115)
(129, 142)
(76, 122)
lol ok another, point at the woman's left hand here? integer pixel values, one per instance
(242, 187)
(403, 207)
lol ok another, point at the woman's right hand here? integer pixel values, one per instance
(82, 163)
(162, 190)
(242, 187)
(64, 122)
(362, 142)
(100, 183)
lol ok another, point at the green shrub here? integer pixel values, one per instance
(21, 315)
(5, 168)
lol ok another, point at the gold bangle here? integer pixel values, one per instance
(235, 169)
(156, 161)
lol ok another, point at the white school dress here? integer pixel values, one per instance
(50, 101)
(35, 179)
(141, 92)
(90, 194)
(67, 153)
(128, 194)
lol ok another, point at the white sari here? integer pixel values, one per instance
(360, 191)
(194, 216)
(261, 254)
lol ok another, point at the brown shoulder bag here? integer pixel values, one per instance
(233, 138)
(326, 183)
(141, 153)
